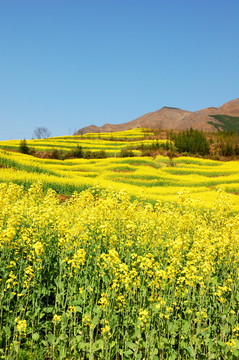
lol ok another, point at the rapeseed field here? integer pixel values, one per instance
(142, 177)
(99, 276)
(118, 258)
(109, 142)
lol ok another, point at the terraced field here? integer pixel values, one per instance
(141, 262)
(145, 177)
(109, 142)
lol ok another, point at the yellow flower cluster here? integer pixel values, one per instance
(56, 319)
(21, 325)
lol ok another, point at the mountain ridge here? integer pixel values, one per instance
(171, 118)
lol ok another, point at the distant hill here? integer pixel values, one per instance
(178, 119)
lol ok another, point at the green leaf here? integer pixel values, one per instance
(225, 329)
(97, 310)
(186, 327)
(60, 285)
(49, 309)
(155, 352)
(95, 321)
(237, 343)
(173, 327)
(131, 345)
(51, 338)
(173, 356)
(121, 352)
(78, 338)
(128, 352)
(63, 316)
(60, 338)
(7, 331)
(76, 302)
(112, 344)
(210, 344)
(222, 344)
(43, 290)
(83, 346)
(98, 345)
(37, 310)
(35, 336)
(45, 343)
(182, 344)
(16, 346)
(190, 351)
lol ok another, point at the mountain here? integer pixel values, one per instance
(173, 118)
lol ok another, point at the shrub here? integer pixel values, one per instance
(237, 149)
(148, 152)
(94, 154)
(23, 147)
(32, 151)
(75, 153)
(227, 149)
(126, 153)
(99, 154)
(78, 152)
(56, 154)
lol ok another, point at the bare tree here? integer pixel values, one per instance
(41, 133)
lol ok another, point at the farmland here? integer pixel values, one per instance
(94, 142)
(153, 179)
(117, 258)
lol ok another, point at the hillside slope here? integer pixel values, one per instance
(171, 118)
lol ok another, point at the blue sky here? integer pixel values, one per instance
(68, 64)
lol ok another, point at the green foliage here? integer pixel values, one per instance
(94, 154)
(191, 141)
(23, 147)
(225, 123)
(56, 154)
(156, 145)
(227, 149)
(75, 153)
(78, 152)
(226, 144)
(126, 153)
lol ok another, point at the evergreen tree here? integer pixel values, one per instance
(23, 147)
(191, 141)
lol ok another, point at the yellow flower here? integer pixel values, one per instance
(21, 325)
(105, 330)
(56, 319)
(143, 317)
(38, 247)
(71, 310)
